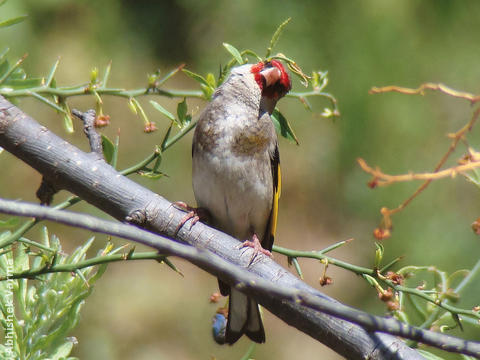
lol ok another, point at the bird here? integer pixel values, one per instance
(236, 172)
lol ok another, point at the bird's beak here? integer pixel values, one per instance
(271, 75)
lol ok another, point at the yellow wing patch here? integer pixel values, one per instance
(277, 190)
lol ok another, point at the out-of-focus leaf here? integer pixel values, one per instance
(276, 36)
(283, 127)
(196, 77)
(429, 356)
(211, 80)
(18, 73)
(67, 119)
(234, 52)
(24, 83)
(13, 21)
(164, 111)
(4, 66)
(13, 221)
(108, 149)
(153, 175)
(62, 351)
(182, 111)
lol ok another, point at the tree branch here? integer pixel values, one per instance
(241, 278)
(98, 183)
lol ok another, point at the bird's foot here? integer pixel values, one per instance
(196, 214)
(257, 248)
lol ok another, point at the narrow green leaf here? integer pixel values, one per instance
(335, 246)
(10, 222)
(211, 80)
(378, 254)
(234, 52)
(196, 77)
(108, 149)
(62, 351)
(170, 74)
(4, 66)
(276, 36)
(390, 264)
(165, 138)
(18, 74)
(164, 111)
(13, 21)
(80, 251)
(153, 175)
(172, 266)
(19, 84)
(4, 53)
(207, 91)
(52, 73)
(182, 111)
(115, 152)
(106, 75)
(14, 72)
(283, 127)
(67, 120)
(61, 109)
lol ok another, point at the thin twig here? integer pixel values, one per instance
(94, 138)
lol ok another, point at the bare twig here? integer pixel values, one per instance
(427, 86)
(382, 179)
(95, 140)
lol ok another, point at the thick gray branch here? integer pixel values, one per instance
(242, 278)
(93, 180)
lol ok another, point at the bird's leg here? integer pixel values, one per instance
(196, 214)
(256, 246)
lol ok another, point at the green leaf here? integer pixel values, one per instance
(276, 36)
(62, 351)
(428, 355)
(10, 222)
(283, 127)
(153, 175)
(108, 149)
(164, 111)
(234, 52)
(24, 83)
(51, 74)
(18, 73)
(378, 254)
(13, 21)
(67, 119)
(211, 80)
(4, 66)
(196, 77)
(182, 110)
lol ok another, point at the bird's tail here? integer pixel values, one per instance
(243, 318)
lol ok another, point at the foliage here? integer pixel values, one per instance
(38, 313)
(406, 292)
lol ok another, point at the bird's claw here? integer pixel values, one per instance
(196, 214)
(257, 248)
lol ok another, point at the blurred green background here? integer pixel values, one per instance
(145, 311)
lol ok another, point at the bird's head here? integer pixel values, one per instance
(273, 80)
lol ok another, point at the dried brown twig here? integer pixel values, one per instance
(469, 162)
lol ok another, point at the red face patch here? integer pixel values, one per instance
(277, 89)
(256, 71)
(284, 79)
